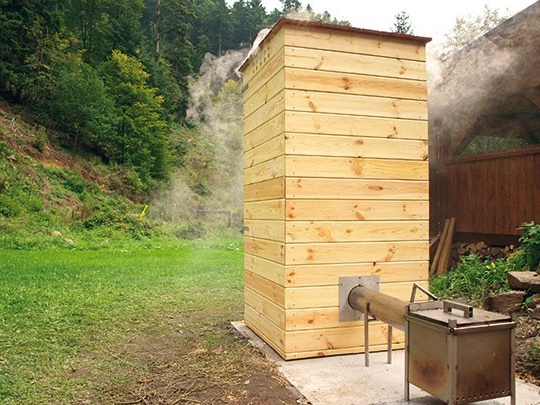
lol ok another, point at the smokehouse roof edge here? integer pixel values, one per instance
(333, 27)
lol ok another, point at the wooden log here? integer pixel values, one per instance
(435, 262)
(445, 255)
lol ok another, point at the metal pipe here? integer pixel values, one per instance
(383, 307)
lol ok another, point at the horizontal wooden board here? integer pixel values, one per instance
(353, 252)
(258, 65)
(265, 229)
(339, 352)
(270, 250)
(331, 103)
(328, 296)
(331, 40)
(351, 231)
(329, 274)
(356, 189)
(350, 210)
(269, 150)
(265, 288)
(347, 83)
(268, 331)
(267, 269)
(271, 169)
(355, 146)
(266, 190)
(269, 210)
(337, 338)
(345, 62)
(314, 318)
(340, 124)
(271, 109)
(267, 131)
(354, 168)
(265, 93)
(268, 309)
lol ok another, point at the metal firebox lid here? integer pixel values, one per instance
(454, 314)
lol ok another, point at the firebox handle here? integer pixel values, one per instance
(417, 286)
(467, 309)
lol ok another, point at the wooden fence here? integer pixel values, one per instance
(489, 194)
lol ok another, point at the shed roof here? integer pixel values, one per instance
(491, 87)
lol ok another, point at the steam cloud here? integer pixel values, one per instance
(215, 109)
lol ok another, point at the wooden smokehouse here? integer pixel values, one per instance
(335, 180)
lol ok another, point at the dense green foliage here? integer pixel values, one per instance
(530, 245)
(114, 76)
(66, 317)
(476, 278)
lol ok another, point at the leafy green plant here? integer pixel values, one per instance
(473, 279)
(530, 244)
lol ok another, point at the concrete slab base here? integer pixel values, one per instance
(344, 380)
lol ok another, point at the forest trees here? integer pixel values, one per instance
(113, 75)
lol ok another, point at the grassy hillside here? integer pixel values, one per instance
(50, 196)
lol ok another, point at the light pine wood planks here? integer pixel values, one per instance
(335, 181)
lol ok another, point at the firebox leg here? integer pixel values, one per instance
(407, 391)
(366, 335)
(512, 367)
(390, 330)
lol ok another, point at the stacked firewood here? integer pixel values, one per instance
(480, 249)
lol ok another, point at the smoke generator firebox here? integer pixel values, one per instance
(453, 351)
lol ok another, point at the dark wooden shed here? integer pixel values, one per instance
(484, 116)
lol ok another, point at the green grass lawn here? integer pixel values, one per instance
(65, 313)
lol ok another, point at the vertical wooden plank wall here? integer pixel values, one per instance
(336, 180)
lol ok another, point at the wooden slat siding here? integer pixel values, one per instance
(271, 109)
(267, 92)
(352, 252)
(267, 269)
(271, 334)
(328, 296)
(265, 229)
(360, 85)
(270, 250)
(269, 210)
(355, 146)
(314, 318)
(261, 64)
(350, 210)
(353, 125)
(350, 133)
(269, 170)
(267, 308)
(269, 130)
(330, 61)
(357, 231)
(335, 339)
(329, 274)
(256, 85)
(271, 149)
(265, 288)
(266, 190)
(351, 43)
(492, 194)
(354, 168)
(398, 344)
(310, 188)
(369, 106)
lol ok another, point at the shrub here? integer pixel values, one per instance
(473, 279)
(530, 245)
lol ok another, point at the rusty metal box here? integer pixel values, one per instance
(459, 358)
